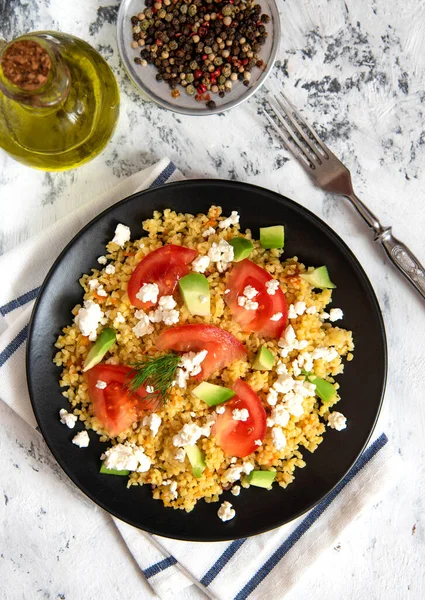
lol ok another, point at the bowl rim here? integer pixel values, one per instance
(199, 112)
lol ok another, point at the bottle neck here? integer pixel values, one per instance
(33, 72)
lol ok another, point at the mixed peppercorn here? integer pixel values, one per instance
(202, 45)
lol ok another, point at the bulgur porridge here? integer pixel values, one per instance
(203, 359)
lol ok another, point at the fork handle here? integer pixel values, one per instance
(403, 259)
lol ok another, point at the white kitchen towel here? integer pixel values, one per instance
(264, 566)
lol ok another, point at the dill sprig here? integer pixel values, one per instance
(158, 372)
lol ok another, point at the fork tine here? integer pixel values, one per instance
(286, 138)
(287, 109)
(309, 128)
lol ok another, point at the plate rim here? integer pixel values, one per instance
(280, 198)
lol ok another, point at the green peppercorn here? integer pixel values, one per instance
(183, 10)
(227, 10)
(190, 78)
(218, 61)
(192, 10)
(190, 89)
(221, 80)
(194, 65)
(144, 25)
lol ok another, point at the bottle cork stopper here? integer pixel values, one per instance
(26, 64)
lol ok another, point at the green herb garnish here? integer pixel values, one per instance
(158, 372)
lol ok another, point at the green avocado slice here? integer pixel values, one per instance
(106, 339)
(319, 278)
(106, 471)
(195, 290)
(197, 460)
(272, 237)
(242, 248)
(264, 360)
(263, 479)
(212, 394)
(324, 389)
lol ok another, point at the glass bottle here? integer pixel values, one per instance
(59, 101)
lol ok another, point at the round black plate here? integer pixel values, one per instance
(362, 385)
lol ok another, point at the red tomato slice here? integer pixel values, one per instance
(248, 273)
(115, 407)
(237, 438)
(164, 266)
(223, 348)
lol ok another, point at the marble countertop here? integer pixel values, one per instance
(356, 68)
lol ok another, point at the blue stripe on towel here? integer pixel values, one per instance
(162, 178)
(13, 346)
(222, 561)
(159, 566)
(17, 302)
(309, 520)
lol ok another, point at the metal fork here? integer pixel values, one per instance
(329, 174)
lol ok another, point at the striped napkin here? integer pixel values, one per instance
(264, 566)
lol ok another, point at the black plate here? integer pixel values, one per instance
(362, 385)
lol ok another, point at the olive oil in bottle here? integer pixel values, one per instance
(59, 101)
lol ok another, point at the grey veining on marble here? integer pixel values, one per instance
(357, 70)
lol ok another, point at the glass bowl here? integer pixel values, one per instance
(159, 91)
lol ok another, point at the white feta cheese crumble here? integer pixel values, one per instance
(293, 403)
(240, 415)
(272, 397)
(153, 421)
(122, 235)
(118, 319)
(180, 455)
(234, 460)
(222, 254)
(305, 360)
(82, 439)
(111, 361)
(191, 362)
(288, 337)
(247, 303)
(292, 312)
(220, 410)
(281, 368)
(232, 474)
(226, 512)
(126, 457)
(102, 260)
(279, 438)
(272, 286)
(201, 264)
(167, 303)
(208, 232)
(300, 308)
(258, 443)
(284, 384)
(232, 220)
(173, 489)
(335, 314)
(101, 385)
(326, 354)
(110, 269)
(311, 310)
(280, 415)
(236, 490)
(88, 319)
(148, 293)
(324, 315)
(296, 368)
(247, 467)
(250, 292)
(276, 317)
(143, 326)
(337, 421)
(100, 291)
(93, 284)
(188, 435)
(67, 418)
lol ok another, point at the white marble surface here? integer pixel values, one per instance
(357, 69)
